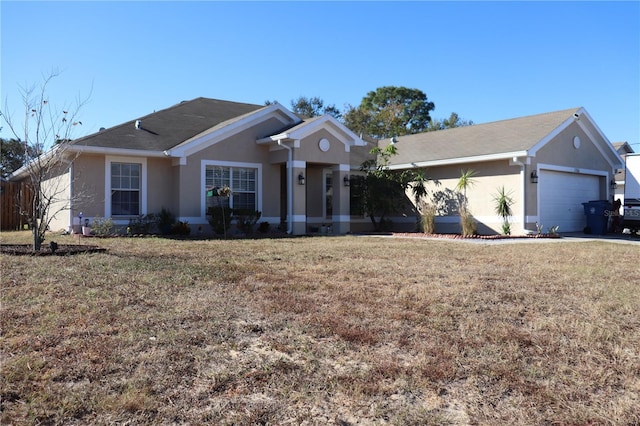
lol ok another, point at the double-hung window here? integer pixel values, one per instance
(241, 180)
(126, 184)
(356, 195)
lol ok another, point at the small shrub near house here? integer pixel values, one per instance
(142, 225)
(220, 219)
(165, 221)
(181, 228)
(264, 227)
(246, 220)
(428, 218)
(102, 227)
(468, 222)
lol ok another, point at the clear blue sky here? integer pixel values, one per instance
(486, 61)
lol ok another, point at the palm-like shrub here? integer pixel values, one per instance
(504, 201)
(467, 222)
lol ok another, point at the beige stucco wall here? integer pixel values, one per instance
(310, 151)
(57, 188)
(89, 185)
(242, 149)
(90, 172)
(162, 184)
(489, 177)
(560, 151)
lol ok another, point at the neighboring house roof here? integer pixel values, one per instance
(621, 175)
(168, 128)
(622, 147)
(499, 139)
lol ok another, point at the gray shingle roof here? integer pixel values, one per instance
(163, 130)
(505, 136)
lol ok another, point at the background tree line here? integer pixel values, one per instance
(383, 113)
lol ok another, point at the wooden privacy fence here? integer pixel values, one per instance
(14, 198)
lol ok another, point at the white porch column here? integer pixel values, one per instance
(299, 202)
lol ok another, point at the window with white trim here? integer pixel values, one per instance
(328, 194)
(241, 180)
(126, 182)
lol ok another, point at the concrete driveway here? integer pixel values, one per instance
(610, 238)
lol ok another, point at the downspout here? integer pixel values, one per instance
(289, 186)
(523, 183)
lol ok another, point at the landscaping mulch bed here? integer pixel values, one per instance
(45, 250)
(461, 237)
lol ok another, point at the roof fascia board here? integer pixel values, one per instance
(460, 160)
(608, 145)
(601, 150)
(600, 133)
(208, 138)
(45, 159)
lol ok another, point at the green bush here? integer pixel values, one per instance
(142, 224)
(181, 228)
(220, 219)
(102, 227)
(166, 221)
(506, 228)
(246, 219)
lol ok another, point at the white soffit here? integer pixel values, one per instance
(460, 160)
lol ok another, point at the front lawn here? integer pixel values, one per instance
(323, 330)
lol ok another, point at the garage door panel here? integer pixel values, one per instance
(561, 196)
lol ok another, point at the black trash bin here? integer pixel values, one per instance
(597, 217)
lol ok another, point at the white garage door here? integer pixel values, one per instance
(561, 197)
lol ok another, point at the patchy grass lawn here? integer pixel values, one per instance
(310, 331)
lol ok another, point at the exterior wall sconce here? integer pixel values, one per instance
(301, 179)
(346, 180)
(534, 177)
(613, 185)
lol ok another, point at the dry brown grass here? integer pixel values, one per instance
(335, 330)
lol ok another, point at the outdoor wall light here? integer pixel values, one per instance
(613, 185)
(346, 180)
(534, 177)
(301, 179)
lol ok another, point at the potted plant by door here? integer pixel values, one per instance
(86, 229)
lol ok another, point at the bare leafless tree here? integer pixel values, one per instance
(46, 133)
